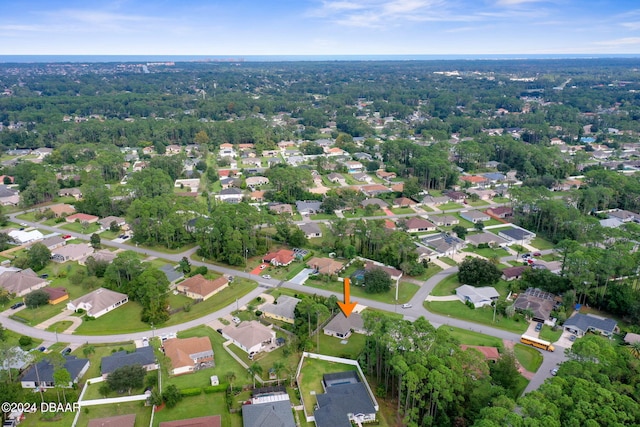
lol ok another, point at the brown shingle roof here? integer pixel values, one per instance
(179, 350)
(200, 285)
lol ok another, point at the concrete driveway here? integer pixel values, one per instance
(301, 277)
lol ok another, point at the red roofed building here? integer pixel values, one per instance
(474, 179)
(82, 217)
(280, 258)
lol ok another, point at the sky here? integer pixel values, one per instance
(319, 27)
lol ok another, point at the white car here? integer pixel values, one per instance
(236, 320)
(406, 306)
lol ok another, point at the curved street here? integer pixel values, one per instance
(417, 310)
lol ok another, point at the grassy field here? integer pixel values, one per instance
(529, 357)
(60, 326)
(478, 203)
(447, 286)
(429, 272)
(501, 199)
(80, 228)
(448, 261)
(126, 318)
(542, 244)
(405, 292)
(549, 334)
(487, 252)
(482, 315)
(402, 211)
(65, 420)
(449, 206)
(143, 413)
(465, 336)
(199, 406)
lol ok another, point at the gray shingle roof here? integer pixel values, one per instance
(285, 306)
(45, 369)
(272, 414)
(584, 322)
(142, 356)
(339, 401)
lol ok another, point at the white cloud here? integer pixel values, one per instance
(626, 41)
(633, 26)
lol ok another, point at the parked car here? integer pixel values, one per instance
(538, 327)
(17, 305)
(266, 276)
(537, 254)
(525, 256)
(572, 338)
(125, 237)
(42, 348)
(554, 371)
(66, 351)
(406, 306)
(66, 236)
(263, 266)
(236, 320)
(44, 276)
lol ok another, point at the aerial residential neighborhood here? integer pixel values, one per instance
(305, 248)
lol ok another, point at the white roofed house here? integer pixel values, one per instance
(105, 223)
(22, 236)
(475, 216)
(230, 195)
(255, 181)
(310, 229)
(72, 252)
(479, 297)
(98, 302)
(8, 196)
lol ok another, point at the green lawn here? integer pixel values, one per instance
(449, 206)
(36, 420)
(60, 326)
(80, 228)
(501, 199)
(402, 211)
(482, 315)
(199, 406)
(478, 203)
(127, 318)
(549, 334)
(487, 252)
(465, 336)
(426, 208)
(143, 413)
(310, 379)
(405, 293)
(447, 286)
(448, 261)
(332, 346)
(323, 216)
(429, 272)
(542, 244)
(529, 357)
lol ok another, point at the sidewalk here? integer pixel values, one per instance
(65, 315)
(443, 298)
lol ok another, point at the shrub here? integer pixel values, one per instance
(258, 313)
(25, 341)
(195, 391)
(215, 388)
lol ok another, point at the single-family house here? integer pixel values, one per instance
(387, 176)
(61, 209)
(477, 180)
(54, 242)
(345, 402)
(102, 255)
(23, 236)
(267, 414)
(485, 238)
(308, 207)
(337, 178)
(501, 212)
(200, 288)
(21, 282)
(188, 354)
(512, 273)
(483, 194)
(361, 177)
(56, 295)
(495, 177)
(478, 296)
(255, 181)
(403, 202)
(71, 252)
(82, 218)
(281, 208)
(282, 257)
(475, 216)
(98, 302)
(74, 192)
(456, 196)
(127, 420)
(393, 273)
(354, 166)
(40, 376)
(310, 229)
(141, 356)
(251, 336)
(516, 235)
(257, 196)
(372, 190)
(539, 303)
(435, 200)
(623, 215)
(173, 274)
(579, 324)
(283, 309)
(229, 195)
(443, 244)
(328, 266)
(418, 225)
(374, 201)
(444, 220)
(8, 196)
(342, 327)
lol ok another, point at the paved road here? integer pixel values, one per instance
(417, 310)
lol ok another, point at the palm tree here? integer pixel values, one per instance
(635, 349)
(278, 367)
(253, 371)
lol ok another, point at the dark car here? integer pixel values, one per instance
(538, 327)
(66, 351)
(219, 331)
(42, 348)
(44, 276)
(17, 305)
(572, 338)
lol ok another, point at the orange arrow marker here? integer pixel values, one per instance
(347, 306)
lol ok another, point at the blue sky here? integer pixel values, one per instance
(319, 27)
